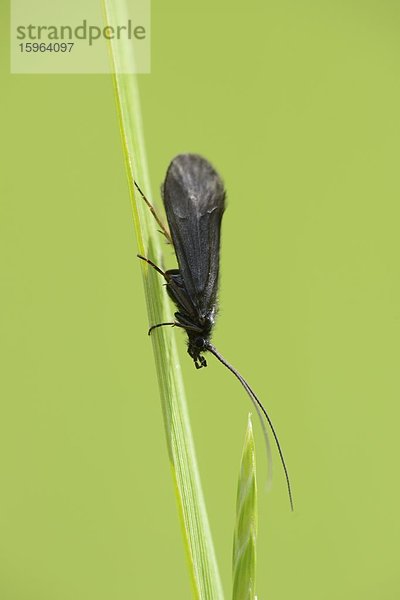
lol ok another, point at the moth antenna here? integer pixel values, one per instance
(259, 406)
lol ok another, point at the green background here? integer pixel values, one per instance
(297, 104)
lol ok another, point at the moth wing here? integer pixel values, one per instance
(194, 199)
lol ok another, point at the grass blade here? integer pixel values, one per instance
(244, 540)
(197, 535)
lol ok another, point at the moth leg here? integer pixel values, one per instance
(150, 262)
(186, 323)
(164, 230)
(172, 323)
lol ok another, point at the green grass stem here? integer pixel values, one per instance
(245, 536)
(196, 531)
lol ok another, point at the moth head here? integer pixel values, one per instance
(196, 346)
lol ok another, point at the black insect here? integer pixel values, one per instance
(194, 200)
